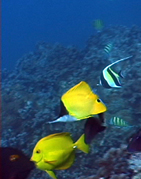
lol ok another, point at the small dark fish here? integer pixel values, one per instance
(14, 164)
(93, 126)
(109, 78)
(135, 142)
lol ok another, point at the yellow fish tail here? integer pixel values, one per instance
(51, 174)
(81, 145)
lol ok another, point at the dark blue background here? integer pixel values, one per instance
(69, 22)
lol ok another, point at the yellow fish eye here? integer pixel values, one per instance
(14, 157)
(38, 151)
(98, 100)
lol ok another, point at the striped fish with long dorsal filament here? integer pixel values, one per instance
(109, 78)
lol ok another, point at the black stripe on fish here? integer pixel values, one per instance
(104, 82)
(63, 110)
(113, 77)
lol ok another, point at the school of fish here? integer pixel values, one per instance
(57, 151)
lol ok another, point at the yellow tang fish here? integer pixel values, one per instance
(80, 102)
(57, 152)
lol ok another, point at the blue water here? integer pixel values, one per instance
(69, 22)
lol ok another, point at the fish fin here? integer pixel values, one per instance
(65, 118)
(50, 162)
(60, 119)
(120, 74)
(81, 145)
(50, 122)
(118, 61)
(54, 135)
(51, 174)
(81, 88)
(63, 110)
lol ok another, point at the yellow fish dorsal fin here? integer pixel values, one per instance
(55, 135)
(79, 101)
(51, 173)
(80, 88)
(81, 145)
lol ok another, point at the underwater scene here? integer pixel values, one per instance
(71, 89)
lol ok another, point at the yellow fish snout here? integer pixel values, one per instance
(36, 157)
(31, 159)
(99, 107)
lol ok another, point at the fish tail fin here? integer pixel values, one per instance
(56, 120)
(50, 122)
(51, 174)
(121, 74)
(65, 118)
(81, 145)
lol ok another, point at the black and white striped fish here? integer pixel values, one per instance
(109, 78)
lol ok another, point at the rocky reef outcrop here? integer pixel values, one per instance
(31, 97)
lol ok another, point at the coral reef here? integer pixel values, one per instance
(113, 165)
(31, 97)
(135, 164)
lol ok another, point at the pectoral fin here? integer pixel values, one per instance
(51, 174)
(50, 162)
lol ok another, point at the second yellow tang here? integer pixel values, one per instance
(57, 152)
